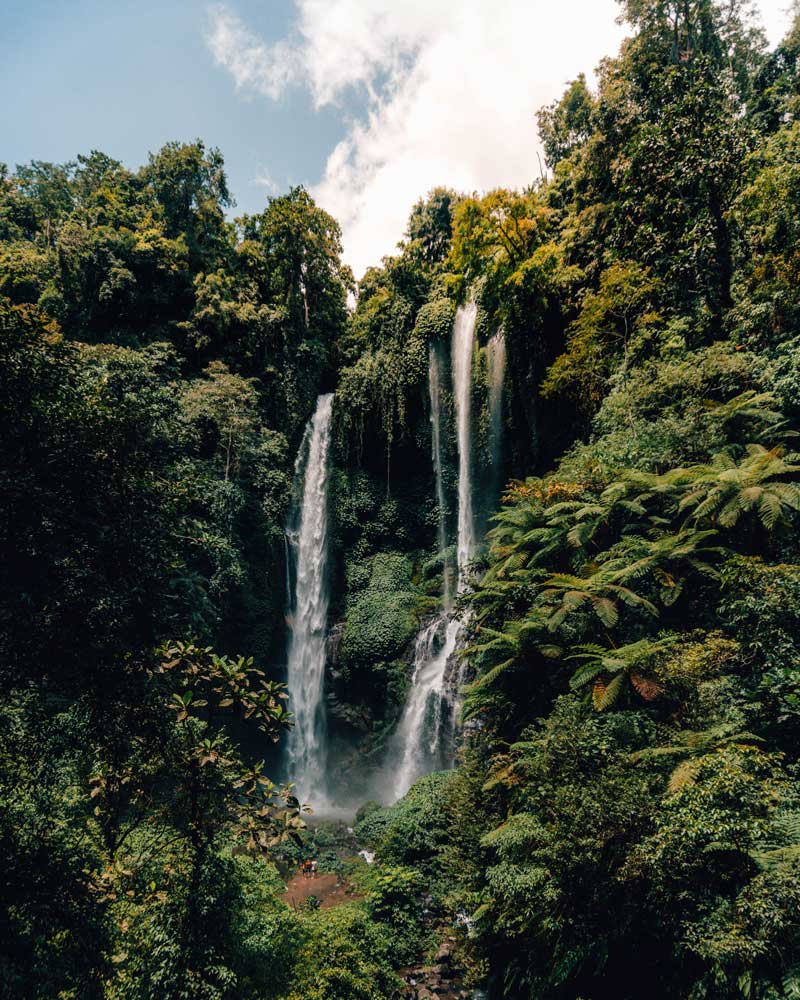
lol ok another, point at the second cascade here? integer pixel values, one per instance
(424, 738)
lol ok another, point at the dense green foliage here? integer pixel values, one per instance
(624, 819)
(158, 363)
(643, 726)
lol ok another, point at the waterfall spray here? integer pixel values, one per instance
(307, 535)
(422, 739)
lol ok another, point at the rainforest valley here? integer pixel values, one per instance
(551, 446)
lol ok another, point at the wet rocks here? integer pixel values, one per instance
(445, 952)
(441, 980)
(334, 642)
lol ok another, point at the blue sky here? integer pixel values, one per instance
(369, 103)
(127, 77)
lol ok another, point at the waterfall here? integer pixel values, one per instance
(307, 536)
(435, 395)
(422, 740)
(287, 561)
(463, 338)
(496, 372)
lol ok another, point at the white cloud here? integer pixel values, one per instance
(453, 87)
(265, 179)
(268, 69)
(776, 16)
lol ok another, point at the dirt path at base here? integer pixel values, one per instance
(329, 890)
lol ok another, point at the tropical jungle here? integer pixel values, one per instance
(475, 583)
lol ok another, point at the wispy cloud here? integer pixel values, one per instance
(265, 180)
(254, 65)
(453, 86)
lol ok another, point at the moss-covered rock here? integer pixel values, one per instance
(435, 320)
(380, 619)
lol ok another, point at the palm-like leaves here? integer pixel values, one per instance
(581, 524)
(523, 535)
(519, 638)
(511, 642)
(757, 408)
(724, 489)
(665, 557)
(558, 549)
(601, 591)
(689, 747)
(783, 847)
(533, 533)
(611, 670)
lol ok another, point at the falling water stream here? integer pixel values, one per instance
(463, 339)
(307, 535)
(423, 738)
(496, 371)
(435, 395)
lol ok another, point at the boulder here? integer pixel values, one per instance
(445, 952)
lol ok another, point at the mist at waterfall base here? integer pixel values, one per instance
(425, 737)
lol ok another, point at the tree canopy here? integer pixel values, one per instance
(623, 818)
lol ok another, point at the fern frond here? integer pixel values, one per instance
(791, 983)
(769, 510)
(585, 675)
(606, 611)
(605, 695)
(684, 775)
(646, 687)
(487, 679)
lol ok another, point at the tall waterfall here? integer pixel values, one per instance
(463, 338)
(307, 533)
(435, 395)
(423, 737)
(496, 372)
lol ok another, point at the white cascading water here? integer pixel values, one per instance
(463, 340)
(421, 739)
(435, 395)
(423, 736)
(307, 533)
(496, 372)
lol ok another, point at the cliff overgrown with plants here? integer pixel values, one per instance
(624, 817)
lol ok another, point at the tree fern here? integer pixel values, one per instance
(723, 490)
(693, 745)
(610, 670)
(791, 983)
(782, 849)
(604, 695)
(684, 775)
